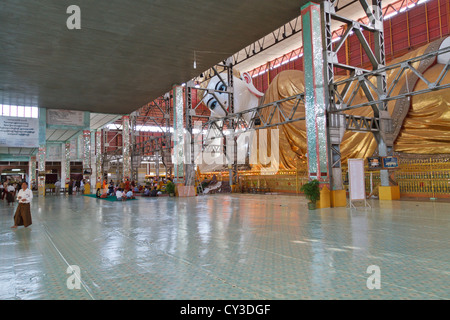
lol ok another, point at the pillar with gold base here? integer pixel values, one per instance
(126, 148)
(32, 172)
(67, 166)
(338, 198)
(178, 134)
(41, 169)
(87, 160)
(315, 100)
(98, 159)
(389, 192)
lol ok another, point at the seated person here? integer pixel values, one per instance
(146, 192)
(119, 194)
(154, 192)
(104, 195)
(136, 189)
(130, 195)
(98, 193)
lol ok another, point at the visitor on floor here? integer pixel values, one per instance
(10, 193)
(22, 217)
(111, 188)
(119, 194)
(57, 187)
(130, 195)
(154, 192)
(5, 190)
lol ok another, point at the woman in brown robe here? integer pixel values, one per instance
(22, 217)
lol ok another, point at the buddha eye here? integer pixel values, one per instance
(221, 87)
(212, 103)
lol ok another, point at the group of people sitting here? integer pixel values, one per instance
(120, 194)
(151, 193)
(126, 190)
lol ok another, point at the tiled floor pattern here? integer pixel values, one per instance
(225, 247)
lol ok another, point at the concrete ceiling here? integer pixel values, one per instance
(126, 53)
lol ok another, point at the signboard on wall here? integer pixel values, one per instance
(390, 162)
(374, 163)
(19, 132)
(65, 117)
(54, 152)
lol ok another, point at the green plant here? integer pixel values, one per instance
(311, 190)
(170, 187)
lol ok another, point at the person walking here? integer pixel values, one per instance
(82, 186)
(57, 187)
(70, 187)
(11, 192)
(22, 217)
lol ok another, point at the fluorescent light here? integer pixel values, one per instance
(335, 39)
(390, 15)
(16, 170)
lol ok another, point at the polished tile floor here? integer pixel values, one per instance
(225, 247)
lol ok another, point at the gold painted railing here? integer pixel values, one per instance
(416, 178)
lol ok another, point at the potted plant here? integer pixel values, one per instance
(312, 193)
(170, 188)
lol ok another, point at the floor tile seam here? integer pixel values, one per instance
(48, 237)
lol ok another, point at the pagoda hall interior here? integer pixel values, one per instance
(235, 150)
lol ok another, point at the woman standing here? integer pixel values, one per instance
(22, 217)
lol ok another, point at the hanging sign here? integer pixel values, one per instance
(19, 132)
(65, 117)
